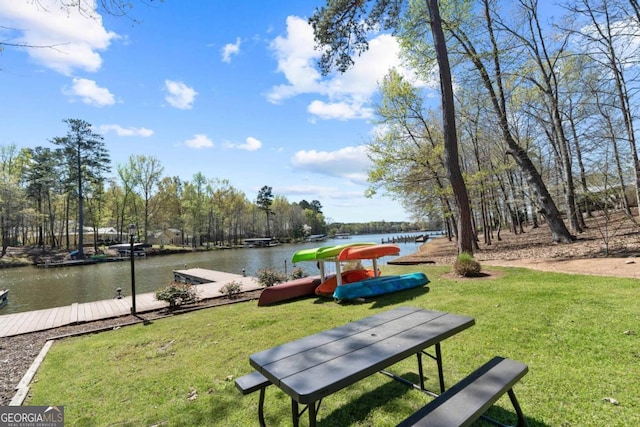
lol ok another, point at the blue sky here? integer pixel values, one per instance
(227, 88)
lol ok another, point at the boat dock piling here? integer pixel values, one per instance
(406, 239)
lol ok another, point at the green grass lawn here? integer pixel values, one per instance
(179, 371)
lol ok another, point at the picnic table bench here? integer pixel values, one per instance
(469, 399)
(319, 365)
(249, 383)
(316, 366)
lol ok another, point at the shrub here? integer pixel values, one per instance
(269, 277)
(177, 294)
(231, 289)
(298, 273)
(466, 265)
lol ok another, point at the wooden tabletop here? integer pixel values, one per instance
(316, 366)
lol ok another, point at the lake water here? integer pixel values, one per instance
(34, 288)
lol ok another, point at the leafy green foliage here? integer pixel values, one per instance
(264, 202)
(342, 29)
(466, 265)
(231, 289)
(269, 276)
(177, 294)
(298, 273)
(87, 160)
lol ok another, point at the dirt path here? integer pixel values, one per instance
(594, 252)
(616, 267)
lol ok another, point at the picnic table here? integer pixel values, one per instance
(316, 366)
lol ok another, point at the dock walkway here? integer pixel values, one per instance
(40, 320)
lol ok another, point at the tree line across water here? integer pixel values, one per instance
(48, 194)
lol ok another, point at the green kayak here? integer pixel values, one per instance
(323, 252)
(307, 254)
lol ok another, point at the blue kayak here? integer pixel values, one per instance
(380, 286)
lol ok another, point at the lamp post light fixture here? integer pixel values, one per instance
(132, 235)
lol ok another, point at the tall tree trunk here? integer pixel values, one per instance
(465, 229)
(545, 204)
(67, 214)
(606, 28)
(40, 224)
(51, 223)
(567, 174)
(548, 84)
(516, 216)
(546, 207)
(616, 154)
(583, 175)
(5, 236)
(625, 107)
(507, 202)
(80, 207)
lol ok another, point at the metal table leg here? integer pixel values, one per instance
(295, 414)
(311, 407)
(439, 361)
(312, 414)
(261, 408)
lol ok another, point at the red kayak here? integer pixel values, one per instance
(289, 290)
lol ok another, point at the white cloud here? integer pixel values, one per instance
(626, 40)
(349, 162)
(361, 81)
(128, 131)
(319, 192)
(180, 95)
(296, 60)
(67, 38)
(251, 144)
(199, 141)
(346, 96)
(339, 110)
(230, 49)
(89, 92)
(379, 130)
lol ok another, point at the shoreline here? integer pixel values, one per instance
(19, 256)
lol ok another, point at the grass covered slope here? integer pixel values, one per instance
(576, 333)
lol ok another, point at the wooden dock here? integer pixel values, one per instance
(198, 276)
(40, 320)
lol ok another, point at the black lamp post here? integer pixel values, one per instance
(132, 235)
